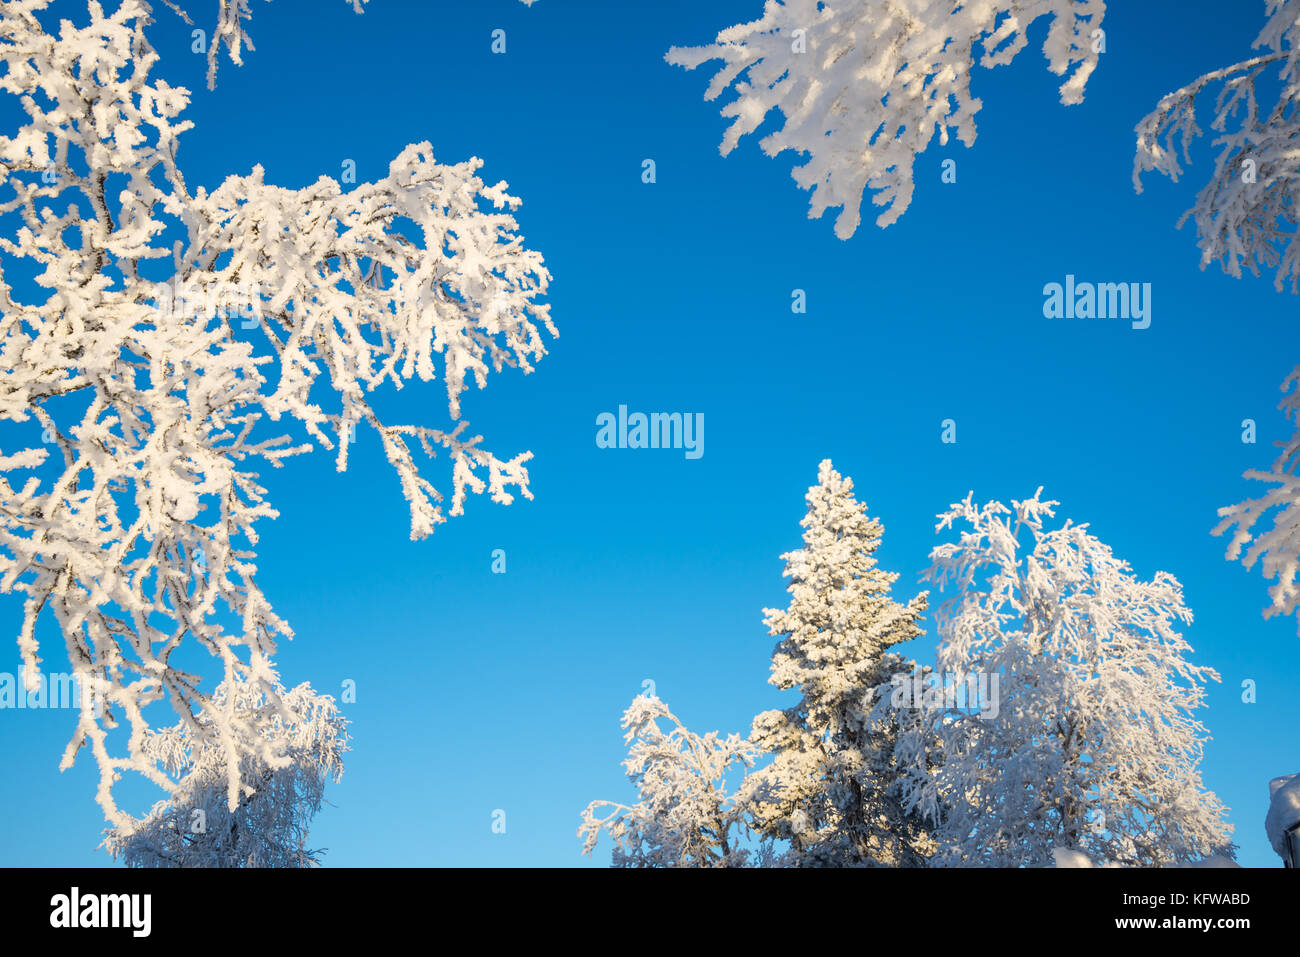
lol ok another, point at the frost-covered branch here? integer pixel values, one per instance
(1245, 215)
(160, 345)
(230, 30)
(864, 86)
(1277, 549)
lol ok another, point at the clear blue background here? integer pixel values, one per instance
(479, 692)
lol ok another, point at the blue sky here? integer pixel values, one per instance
(479, 692)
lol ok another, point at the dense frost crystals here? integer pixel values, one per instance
(865, 85)
(1245, 215)
(1095, 748)
(295, 743)
(829, 790)
(129, 492)
(685, 816)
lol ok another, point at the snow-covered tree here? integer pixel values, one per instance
(829, 789)
(686, 817)
(158, 342)
(1094, 747)
(281, 780)
(864, 86)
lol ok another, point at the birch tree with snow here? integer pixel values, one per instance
(829, 788)
(1096, 745)
(1245, 219)
(686, 815)
(161, 343)
(864, 86)
(281, 780)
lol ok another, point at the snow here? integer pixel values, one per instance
(829, 789)
(865, 86)
(1096, 746)
(294, 747)
(150, 418)
(1064, 857)
(1245, 214)
(685, 816)
(1245, 218)
(1283, 811)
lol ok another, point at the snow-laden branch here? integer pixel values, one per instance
(864, 86)
(230, 30)
(152, 335)
(1277, 549)
(1245, 215)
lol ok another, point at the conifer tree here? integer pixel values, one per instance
(829, 789)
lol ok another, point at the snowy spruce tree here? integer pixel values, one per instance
(1094, 746)
(829, 788)
(281, 781)
(864, 86)
(686, 815)
(162, 343)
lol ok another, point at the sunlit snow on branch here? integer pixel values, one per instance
(1245, 215)
(864, 86)
(129, 482)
